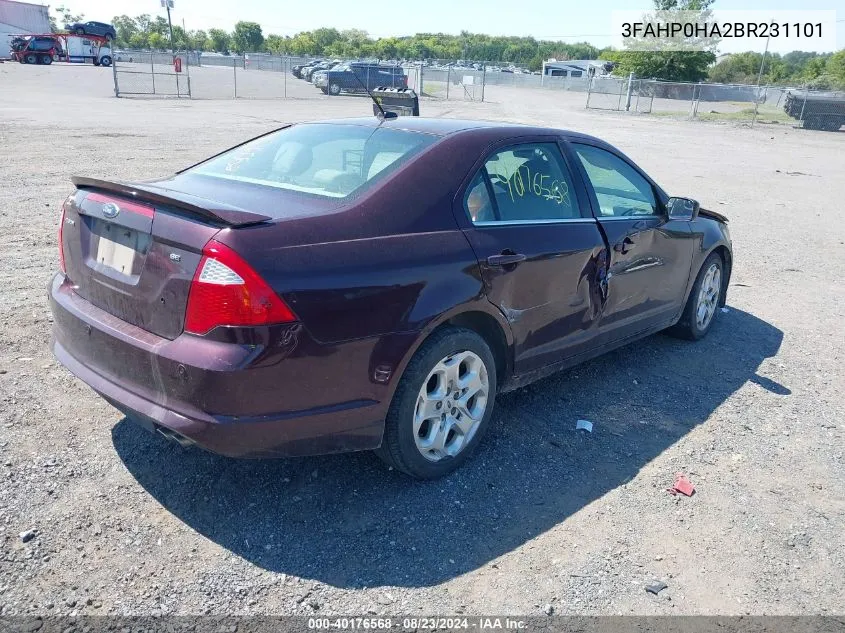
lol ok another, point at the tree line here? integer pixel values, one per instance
(817, 70)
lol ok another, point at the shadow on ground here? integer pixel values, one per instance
(347, 521)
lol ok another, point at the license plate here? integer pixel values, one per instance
(117, 249)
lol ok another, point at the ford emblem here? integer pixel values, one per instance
(110, 210)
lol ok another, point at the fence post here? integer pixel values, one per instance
(589, 90)
(803, 105)
(697, 102)
(153, 71)
(235, 77)
(285, 67)
(483, 80)
(188, 71)
(114, 74)
(421, 79)
(628, 96)
(448, 80)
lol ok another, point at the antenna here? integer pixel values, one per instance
(384, 115)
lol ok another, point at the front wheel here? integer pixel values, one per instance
(442, 406)
(105, 61)
(704, 301)
(334, 89)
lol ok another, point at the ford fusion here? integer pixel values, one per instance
(371, 284)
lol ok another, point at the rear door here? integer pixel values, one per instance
(650, 254)
(541, 253)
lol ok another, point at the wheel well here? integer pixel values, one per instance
(727, 262)
(490, 330)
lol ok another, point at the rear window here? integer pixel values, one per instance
(332, 161)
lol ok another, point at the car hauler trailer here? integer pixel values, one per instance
(45, 48)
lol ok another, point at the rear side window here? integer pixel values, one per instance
(332, 161)
(522, 183)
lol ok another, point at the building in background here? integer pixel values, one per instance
(575, 67)
(20, 17)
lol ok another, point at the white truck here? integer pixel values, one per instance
(82, 48)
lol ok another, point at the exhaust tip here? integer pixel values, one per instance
(173, 436)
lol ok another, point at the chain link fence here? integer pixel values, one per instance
(817, 110)
(264, 76)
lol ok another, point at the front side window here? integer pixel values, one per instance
(332, 161)
(621, 190)
(522, 183)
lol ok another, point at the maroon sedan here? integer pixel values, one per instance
(372, 284)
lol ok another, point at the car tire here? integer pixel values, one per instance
(31, 58)
(705, 296)
(334, 89)
(434, 447)
(46, 60)
(105, 61)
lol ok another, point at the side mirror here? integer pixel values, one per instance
(683, 208)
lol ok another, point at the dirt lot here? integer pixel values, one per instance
(544, 518)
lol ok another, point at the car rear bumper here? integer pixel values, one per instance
(233, 399)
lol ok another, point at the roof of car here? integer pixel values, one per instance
(445, 127)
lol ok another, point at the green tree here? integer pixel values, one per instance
(668, 64)
(219, 40)
(126, 27)
(198, 40)
(835, 67)
(247, 37)
(65, 18)
(158, 42)
(276, 44)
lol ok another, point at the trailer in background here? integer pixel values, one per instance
(45, 48)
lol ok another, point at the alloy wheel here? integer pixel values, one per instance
(708, 296)
(450, 406)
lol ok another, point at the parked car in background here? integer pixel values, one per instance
(360, 77)
(296, 71)
(308, 72)
(93, 28)
(273, 300)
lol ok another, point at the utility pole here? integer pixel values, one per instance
(168, 4)
(760, 77)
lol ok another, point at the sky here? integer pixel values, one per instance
(543, 19)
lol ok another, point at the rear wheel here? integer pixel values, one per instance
(46, 59)
(442, 406)
(31, 58)
(704, 301)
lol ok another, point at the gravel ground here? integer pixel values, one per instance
(544, 519)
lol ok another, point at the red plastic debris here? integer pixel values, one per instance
(682, 485)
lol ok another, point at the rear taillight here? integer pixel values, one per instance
(61, 240)
(227, 291)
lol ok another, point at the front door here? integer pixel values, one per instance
(650, 254)
(541, 253)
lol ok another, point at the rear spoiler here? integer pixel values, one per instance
(208, 210)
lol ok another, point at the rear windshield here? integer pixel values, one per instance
(332, 161)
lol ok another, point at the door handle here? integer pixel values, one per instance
(505, 259)
(624, 246)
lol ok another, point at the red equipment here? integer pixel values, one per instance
(45, 48)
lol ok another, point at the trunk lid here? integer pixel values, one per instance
(132, 249)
